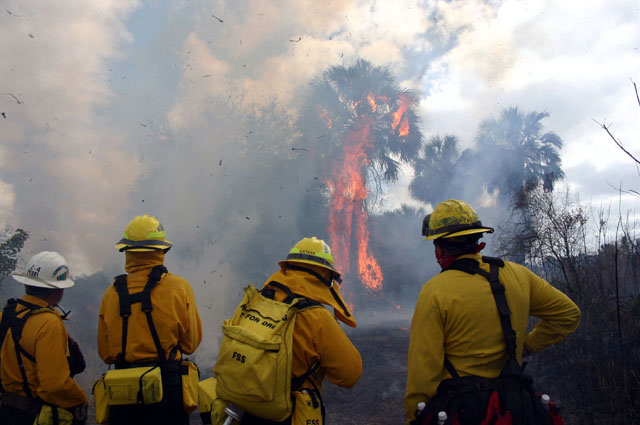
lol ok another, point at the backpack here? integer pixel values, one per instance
(508, 399)
(254, 366)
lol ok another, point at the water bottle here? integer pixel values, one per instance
(442, 417)
(545, 399)
(234, 412)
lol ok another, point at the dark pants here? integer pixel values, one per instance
(13, 416)
(169, 411)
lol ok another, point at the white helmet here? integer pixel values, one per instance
(47, 269)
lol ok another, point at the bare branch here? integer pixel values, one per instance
(604, 126)
(619, 189)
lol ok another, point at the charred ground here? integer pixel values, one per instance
(378, 398)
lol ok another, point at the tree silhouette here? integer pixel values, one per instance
(517, 154)
(9, 249)
(434, 170)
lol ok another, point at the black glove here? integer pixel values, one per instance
(76, 359)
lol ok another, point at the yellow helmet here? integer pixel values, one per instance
(311, 251)
(144, 233)
(452, 218)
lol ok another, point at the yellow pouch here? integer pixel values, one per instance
(101, 401)
(190, 377)
(48, 413)
(304, 413)
(206, 394)
(138, 385)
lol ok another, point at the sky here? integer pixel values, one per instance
(92, 94)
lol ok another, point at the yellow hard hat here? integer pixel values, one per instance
(144, 233)
(452, 218)
(311, 251)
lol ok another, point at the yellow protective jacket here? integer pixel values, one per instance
(456, 315)
(317, 334)
(175, 314)
(46, 339)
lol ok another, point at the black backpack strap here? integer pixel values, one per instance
(303, 302)
(471, 266)
(144, 298)
(298, 381)
(498, 290)
(154, 278)
(120, 283)
(271, 294)
(316, 397)
(8, 315)
(11, 321)
(452, 370)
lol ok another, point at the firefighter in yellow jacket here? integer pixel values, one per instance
(36, 362)
(320, 346)
(134, 336)
(456, 317)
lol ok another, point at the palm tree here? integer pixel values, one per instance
(517, 154)
(363, 98)
(363, 126)
(434, 170)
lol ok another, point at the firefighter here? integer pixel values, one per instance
(457, 330)
(320, 346)
(37, 357)
(158, 334)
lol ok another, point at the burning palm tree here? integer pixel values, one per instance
(363, 125)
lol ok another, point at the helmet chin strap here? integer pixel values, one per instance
(64, 313)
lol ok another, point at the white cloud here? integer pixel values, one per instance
(571, 60)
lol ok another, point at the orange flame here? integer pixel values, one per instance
(404, 127)
(347, 186)
(398, 116)
(349, 192)
(372, 102)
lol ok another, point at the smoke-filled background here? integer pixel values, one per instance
(247, 125)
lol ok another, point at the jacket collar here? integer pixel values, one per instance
(39, 302)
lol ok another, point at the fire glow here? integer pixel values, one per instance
(347, 185)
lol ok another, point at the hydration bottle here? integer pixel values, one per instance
(545, 399)
(234, 412)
